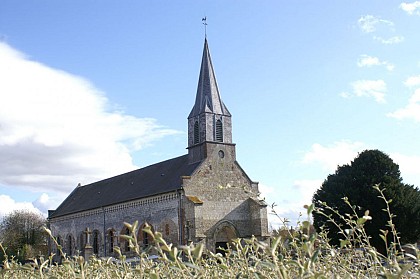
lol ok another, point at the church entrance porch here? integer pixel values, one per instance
(224, 234)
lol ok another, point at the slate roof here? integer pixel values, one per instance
(148, 181)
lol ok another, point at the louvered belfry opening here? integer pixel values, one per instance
(196, 133)
(219, 131)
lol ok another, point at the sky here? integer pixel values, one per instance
(92, 89)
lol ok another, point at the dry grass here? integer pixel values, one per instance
(297, 254)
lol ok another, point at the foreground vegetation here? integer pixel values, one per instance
(300, 253)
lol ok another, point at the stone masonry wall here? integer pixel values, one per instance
(225, 190)
(161, 212)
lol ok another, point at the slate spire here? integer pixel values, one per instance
(208, 97)
(210, 122)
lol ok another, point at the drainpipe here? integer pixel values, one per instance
(103, 211)
(180, 216)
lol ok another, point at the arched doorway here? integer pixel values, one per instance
(224, 233)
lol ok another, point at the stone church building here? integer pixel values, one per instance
(203, 196)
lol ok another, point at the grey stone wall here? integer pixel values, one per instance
(227, 194)
(161, 212)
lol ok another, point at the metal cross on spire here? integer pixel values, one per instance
(204, 20)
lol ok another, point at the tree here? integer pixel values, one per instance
(356, 181)
(22, 234)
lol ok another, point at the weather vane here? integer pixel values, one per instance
(204, 20)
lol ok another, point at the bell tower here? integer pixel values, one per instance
(209, 122)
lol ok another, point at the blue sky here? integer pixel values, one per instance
(91, 89)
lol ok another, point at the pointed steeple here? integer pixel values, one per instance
(209, 123)
(208, 96)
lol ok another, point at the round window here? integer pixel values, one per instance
(221, 154)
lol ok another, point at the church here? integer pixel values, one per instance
(203, 196)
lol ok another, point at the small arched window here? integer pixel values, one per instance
(196, 133)
(95, 243)
(145, 239)
(219, 130)
(82, 241)
(69, 246)
(167, 229)
(111, 241)
(126, 242)
(58, 238)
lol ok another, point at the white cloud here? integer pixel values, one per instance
(45, 202)
(412, 8)
(367, 88)
(289, 209)
(265, 190)
(345, 95)
(56, 129)
(409, 164)
(7, 205)
(369, 61)
(412, 81)
(370, 88)
(375, 25)
(412, 109)
(307, 189)
(292, 212)
(389, 41)
(409, 167)
(337, 154)
(370, 23)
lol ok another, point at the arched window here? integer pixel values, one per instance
(126, 242)
(82, 239)
(58, 238)
(111, 241)
(196, 133)
(145, 239)
(167, 231)
(219, 130)
(143, 236)
(69, 246)
(95, 243)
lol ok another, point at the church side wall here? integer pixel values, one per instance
(161, 212)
